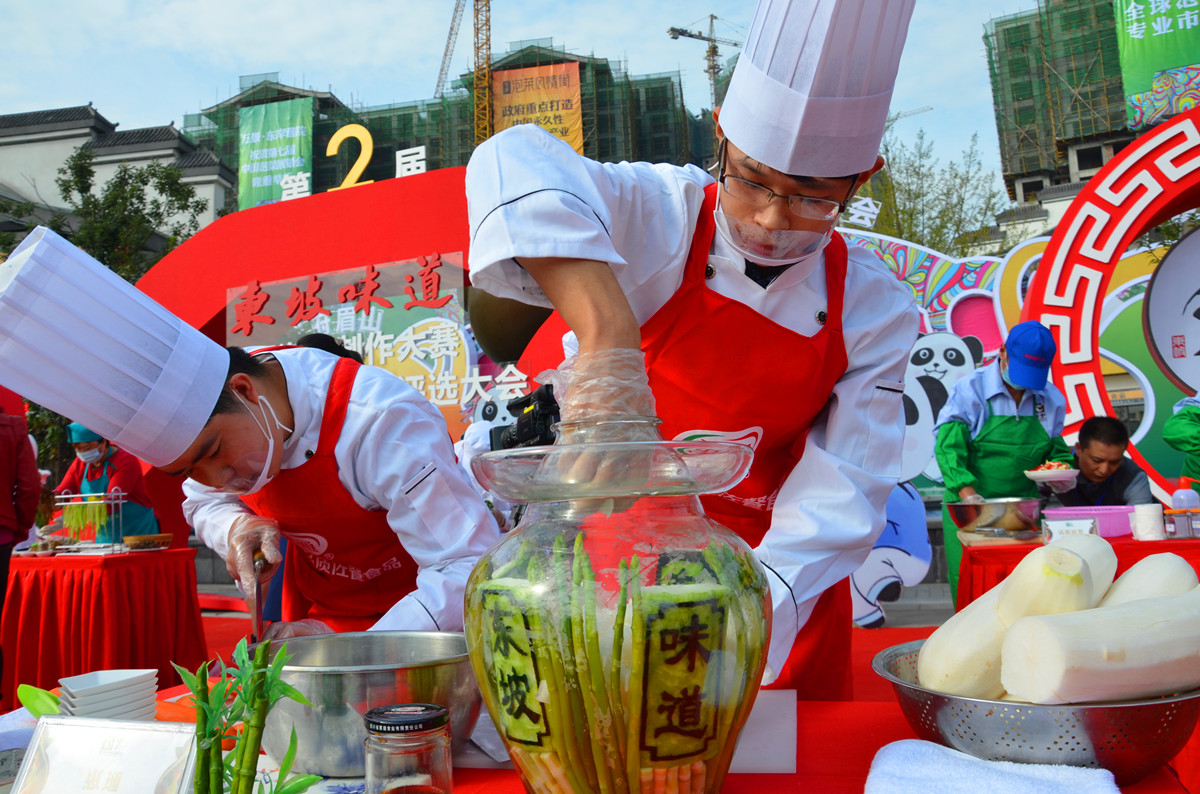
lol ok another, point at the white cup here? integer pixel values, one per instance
(1148, 522)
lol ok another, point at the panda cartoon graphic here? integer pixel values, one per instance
(902, 554)
(937, 362)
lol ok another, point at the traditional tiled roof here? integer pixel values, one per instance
(36, 117)
(200, 158)
(134, 137)
(58, 117)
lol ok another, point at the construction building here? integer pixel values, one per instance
(624, 118)
(1060, 107)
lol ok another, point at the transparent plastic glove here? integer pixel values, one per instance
(973, 499)
(604, 383)
(1061, 486)
(248, 535)
(296, 628)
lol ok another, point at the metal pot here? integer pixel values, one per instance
(346, 675)
(1010, 514)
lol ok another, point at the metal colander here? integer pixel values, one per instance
(1129, 738)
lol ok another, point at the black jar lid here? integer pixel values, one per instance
(406, 718)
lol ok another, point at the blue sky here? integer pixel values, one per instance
(148, 63)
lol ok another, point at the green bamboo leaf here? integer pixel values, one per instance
(37, 701)
(285, 766)
(298, 784)
(295, 694)
(189, 679)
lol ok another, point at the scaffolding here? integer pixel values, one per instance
(624, 118)
(1056, 81)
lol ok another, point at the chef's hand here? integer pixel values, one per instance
(308, 627)
(970, 496)
(604, 383)
(248, 535)
(1060, 486)
(609, 387)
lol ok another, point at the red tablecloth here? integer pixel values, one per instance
(836, 743)
(67, 615)
(984, 567)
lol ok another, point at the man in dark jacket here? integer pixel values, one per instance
(1106, 476)
(20, 489)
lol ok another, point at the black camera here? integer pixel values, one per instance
(536, 413)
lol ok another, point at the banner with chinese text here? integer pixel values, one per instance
(274, 151)
(1159, 44)
(547, 96)
(406, 317)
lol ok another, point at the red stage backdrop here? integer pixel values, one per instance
(392, 221)
(1154, 178)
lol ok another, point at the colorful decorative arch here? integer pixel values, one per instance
(1154, 178)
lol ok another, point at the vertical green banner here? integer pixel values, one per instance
(274, 152)
(1159, 44)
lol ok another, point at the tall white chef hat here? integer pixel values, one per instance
(810, 93)
(80, 340)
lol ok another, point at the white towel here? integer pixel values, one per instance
(913, 766)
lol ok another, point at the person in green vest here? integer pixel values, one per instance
(999, 422)
(1182, 431)
(101, 468)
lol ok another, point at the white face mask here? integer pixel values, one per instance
(241, 484)
(766, 247)
(89, 456)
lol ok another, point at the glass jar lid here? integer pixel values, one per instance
(406, 718)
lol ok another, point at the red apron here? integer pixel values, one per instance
(345, 566)
(772, 412)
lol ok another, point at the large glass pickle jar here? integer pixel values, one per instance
(618, 634)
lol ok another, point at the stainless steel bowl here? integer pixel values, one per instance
(1129, 738)
(346, 675)
(1007, 515)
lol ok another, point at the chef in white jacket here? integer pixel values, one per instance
(349, 462)
(732, 309)
(382, 527)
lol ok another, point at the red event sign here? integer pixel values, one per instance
(394, 220)
(1154, 178)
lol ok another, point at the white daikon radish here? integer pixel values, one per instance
(962, 657)
(1152, 577)
(1101, 560)
(1047, 580)
(1137, 649)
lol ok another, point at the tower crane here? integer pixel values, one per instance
(711, 56)
(483, 71)
(459, 5)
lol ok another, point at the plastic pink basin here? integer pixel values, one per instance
(1112, 521)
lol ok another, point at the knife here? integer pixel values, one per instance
(260, 562)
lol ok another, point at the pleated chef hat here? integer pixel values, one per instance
(810, 93)
(80, 340)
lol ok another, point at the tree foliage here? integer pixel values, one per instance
(951, 209)
(130, 222)
(118, 222)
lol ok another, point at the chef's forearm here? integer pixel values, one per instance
(589, 298)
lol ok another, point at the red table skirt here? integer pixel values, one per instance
(72, 614)
(836, 742)
(984, 567)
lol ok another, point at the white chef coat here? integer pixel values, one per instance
(531, 195)
(390, 435)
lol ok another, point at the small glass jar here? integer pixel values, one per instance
(407, 750)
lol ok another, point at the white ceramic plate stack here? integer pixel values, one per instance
(110, 694)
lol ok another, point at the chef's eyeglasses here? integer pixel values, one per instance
(807, 207)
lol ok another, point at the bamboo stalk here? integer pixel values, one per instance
(200, 694)
(557, 705)
(587, 655)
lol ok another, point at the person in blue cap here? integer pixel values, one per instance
(101, 468)
(999, 422)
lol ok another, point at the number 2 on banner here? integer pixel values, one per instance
(363, 135)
